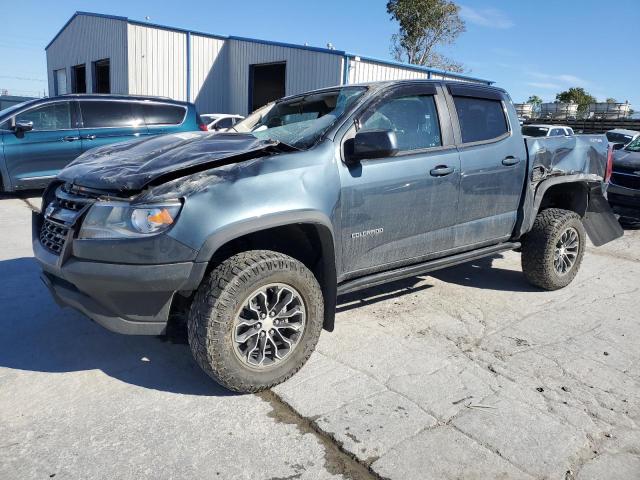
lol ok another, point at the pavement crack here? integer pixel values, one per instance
(338, 461)
(490, 448)
(30, 206)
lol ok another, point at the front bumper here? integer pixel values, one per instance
(124, 298)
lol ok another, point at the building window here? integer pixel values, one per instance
(60, 81)
(101, 76)
(79, 79)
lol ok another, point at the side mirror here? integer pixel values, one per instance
(22, 127)
(373, 144)
(618, 146)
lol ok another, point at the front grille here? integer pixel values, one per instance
(53, 236)
(60, 216)
(626, 180)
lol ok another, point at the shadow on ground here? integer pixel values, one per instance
(482, 274)
(477, 274)
(39, 336)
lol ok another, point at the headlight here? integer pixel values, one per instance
(123, 220)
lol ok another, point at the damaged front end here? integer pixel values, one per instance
(103, 235)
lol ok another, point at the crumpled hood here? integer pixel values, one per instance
(130, 166)
(626, 159)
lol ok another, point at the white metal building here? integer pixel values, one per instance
(95, 53)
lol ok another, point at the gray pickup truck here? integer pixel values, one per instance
(250, 236)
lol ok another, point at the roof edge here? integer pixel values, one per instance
(86, 14)
(419, 68)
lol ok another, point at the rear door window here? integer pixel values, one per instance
(55, 116)
(109, 114)
(159, 114)
(413, 118)
(480, 119)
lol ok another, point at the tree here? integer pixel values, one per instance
(611, 100)
(425, 24)
(534, 100)
(576, 95)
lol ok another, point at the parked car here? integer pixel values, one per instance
(624, 187)
(621, 137)
(250, 236)
(546, 131)
(40, 137)
(220, 122)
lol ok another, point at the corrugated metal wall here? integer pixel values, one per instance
(157, 62)
(209, 74)
(152, 60)
(306, 69)
(361, 71)
(85, 40)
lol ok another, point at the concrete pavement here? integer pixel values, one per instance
(467, 373)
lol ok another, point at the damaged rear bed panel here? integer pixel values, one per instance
(561, 160)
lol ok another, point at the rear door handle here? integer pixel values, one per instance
(441, 171)
(70, 139)
(508, 161)
(88, 137)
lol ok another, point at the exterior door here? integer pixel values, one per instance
(402, 208)
(33, 158)
(107, 122)
(493, 167)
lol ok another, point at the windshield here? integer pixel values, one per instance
(634, 146)
(300, 121)
(535, 131)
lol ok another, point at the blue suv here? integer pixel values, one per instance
(40, 137)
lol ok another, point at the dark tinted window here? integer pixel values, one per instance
(103, 114)
(480, 119)
(618, 137)
(157, 114)
(225, 123)
(413, 118)
(55, 116)
(535, 131)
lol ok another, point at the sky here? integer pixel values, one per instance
(536, 47)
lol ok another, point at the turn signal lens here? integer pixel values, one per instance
(162, 218)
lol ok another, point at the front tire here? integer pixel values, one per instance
(255, 320)
(552, 251)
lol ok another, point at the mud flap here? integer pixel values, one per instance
(600, 222)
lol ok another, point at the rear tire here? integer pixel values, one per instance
(553, 250)
(258, 296)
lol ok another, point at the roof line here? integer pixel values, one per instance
(288, 45)
(419, 68)
(87, 14)
(269, 42)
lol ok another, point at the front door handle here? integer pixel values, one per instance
(508, 161)
(441, 171)
(88, 137)
(70, 138)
